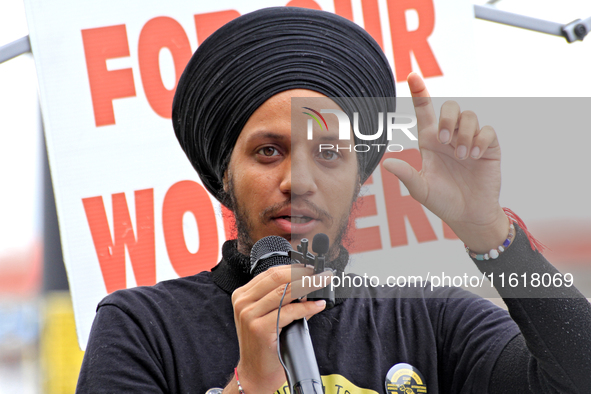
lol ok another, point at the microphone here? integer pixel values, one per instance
(297, 352)
(268, 252)
(320, 246)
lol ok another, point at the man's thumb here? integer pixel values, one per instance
(409, 176)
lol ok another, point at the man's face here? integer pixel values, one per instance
(281, 184)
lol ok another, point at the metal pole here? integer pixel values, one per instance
(15, 48)
(573, 31)
(54, 271)
(526, 22)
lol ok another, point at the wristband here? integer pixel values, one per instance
(240, 390)
(494, 253)
(534, 243)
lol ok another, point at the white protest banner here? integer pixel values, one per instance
(131, 209)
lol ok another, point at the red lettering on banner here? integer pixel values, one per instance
(111, 251)
(311, 4)
(158, 33)
(343, 8)
(207, 23)
(398, 206)
(404, 42)
(371, 20)
(371, 14)
(189, 196)
(101, 44)
(368, 238)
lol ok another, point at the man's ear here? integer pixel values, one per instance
(225, 182)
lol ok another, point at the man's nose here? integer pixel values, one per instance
(299, 177)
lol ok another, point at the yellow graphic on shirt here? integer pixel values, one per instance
(405, 379)
(334, 384)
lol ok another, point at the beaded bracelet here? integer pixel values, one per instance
(240, 390)
(494, 253)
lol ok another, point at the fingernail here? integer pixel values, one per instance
(320, 303)
(462, 151)
(475, 152)
(444, 136)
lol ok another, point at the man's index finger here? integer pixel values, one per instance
(422, 102)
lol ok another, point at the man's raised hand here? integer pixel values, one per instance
(460, 179)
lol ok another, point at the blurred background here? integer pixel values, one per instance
(38, 347)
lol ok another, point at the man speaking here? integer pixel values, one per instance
(232, 115)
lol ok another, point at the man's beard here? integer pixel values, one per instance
(245, 227)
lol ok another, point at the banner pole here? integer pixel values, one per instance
(573, 31)
(14, 49)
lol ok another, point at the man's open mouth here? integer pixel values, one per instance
(297, 219)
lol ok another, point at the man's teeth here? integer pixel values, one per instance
(298, 219)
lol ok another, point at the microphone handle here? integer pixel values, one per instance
(308, 386)
(298, 356)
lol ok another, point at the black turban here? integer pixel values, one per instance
(260, 54)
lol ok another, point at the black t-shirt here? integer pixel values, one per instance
(179, 336)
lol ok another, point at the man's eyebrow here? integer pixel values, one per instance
(267, 135)
(329, 138)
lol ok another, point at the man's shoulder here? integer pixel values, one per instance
(164, 294)
(438, 305)
(423, 292)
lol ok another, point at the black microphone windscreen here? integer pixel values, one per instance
(320, 243)
(275, 249)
